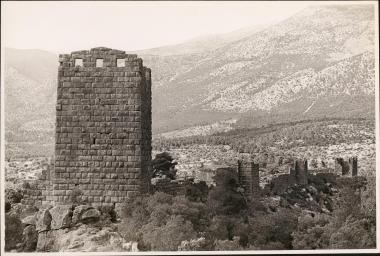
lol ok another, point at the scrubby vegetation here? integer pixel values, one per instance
(283, 136)
(227, 221)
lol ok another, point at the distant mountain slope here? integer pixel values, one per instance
(203, 43)
(281, 64)
(317, 63)
(30, 95)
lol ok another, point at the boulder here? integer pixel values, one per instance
(90, 215)
(46, 241)
(83, 238)
(29, 220)
(43, 220)
(30, 238)
(78, 211)
(61, 216)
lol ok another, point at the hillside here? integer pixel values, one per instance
(297, 60)
(318, 63)
(203, 43)
(30, 95)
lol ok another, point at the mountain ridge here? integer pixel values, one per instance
(295, 68)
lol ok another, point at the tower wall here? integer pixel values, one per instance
(299, 172)
(103, 127)
(249, 179)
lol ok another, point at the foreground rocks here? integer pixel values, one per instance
(72, 228)
(85, 238)
(61, 216)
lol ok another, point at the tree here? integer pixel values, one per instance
(225, 197)
(164, 164)
(197, 192)
(170, 235)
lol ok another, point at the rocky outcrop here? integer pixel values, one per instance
(91, 215)
(47, 240)
(81, 228)
(78, 212)
(30, 238)
(29, 220)
(61, 216)
(43, 220)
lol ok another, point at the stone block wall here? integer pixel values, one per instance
(103, 127)
(249, 179)
(172, 187)
(299, 172)
(38, 192)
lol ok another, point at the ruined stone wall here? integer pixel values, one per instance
(344, 167)
(353, 166)
(103, 127)
(248, 173)
(172, 187)
(38, 192)
(299, 172)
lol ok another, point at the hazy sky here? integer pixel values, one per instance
(66, 26)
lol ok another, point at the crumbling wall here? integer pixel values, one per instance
(349, 167)
(169, 186)
(38, 192)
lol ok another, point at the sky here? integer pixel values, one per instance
(67, 26)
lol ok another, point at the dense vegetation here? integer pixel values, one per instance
(282, 136)
(222, 219)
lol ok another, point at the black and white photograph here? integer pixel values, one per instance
(218, 127)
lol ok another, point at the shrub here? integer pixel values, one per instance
(225, 197)
(197, 192)
(13, 196)
(170, 235)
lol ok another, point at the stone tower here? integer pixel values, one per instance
(103, 127)
(248, 173)
(299, 172)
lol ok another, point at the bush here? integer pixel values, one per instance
(355, 234)
(197, 192)
(312, 232)
(147, 218)
(13, 196)
(169, 236)
(225, 197)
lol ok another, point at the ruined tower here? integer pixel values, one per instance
(248, 173)
(103, 127)
(353, 165)
(344, 167)
(299, 172)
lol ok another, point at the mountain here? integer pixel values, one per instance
(318, 63)
(322, 51)
(203, 43)
(30, 95)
